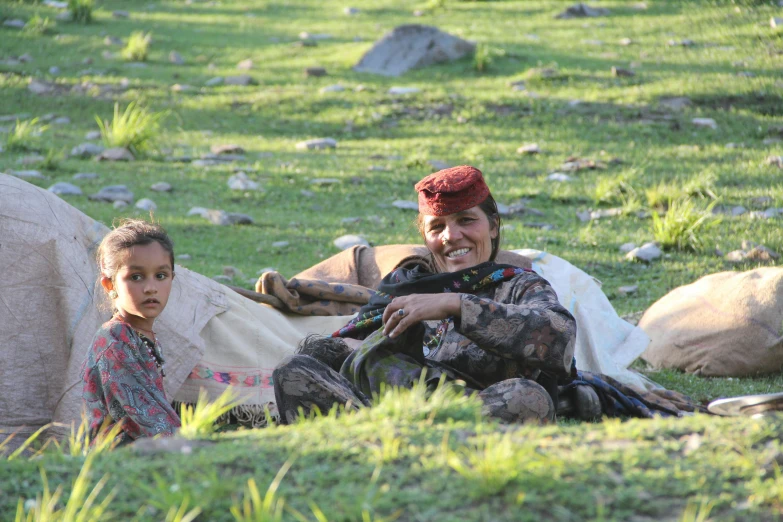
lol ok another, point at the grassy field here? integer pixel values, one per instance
(572, 105)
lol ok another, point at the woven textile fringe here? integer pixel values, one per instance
(246, 415)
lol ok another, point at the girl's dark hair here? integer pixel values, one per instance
(129, 233)
(490, 208)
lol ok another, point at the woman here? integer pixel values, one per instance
(498, 328)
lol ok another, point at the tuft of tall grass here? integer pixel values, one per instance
(52, 160)
(80, 507)
(181, 514)
(24, 135)
(611, 190)
(682, 224)
(483, 57)
(138, 47)
(38, 25)
(80, 442)
(135, 129)
(199, 421)
(22, 447)
(81, 10)
(446, 401)
(661, 195)
(256, 509)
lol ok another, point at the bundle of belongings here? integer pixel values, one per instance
(216, 338)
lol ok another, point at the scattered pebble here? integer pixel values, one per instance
(438, 164)
(93, 135)
(350, 11)
(676, 103)
(115, 154)
(240, 181)
(119, 204)
(559, 177)
(65, 189)
(54, 70)
(532, 148)
(213, 82)
(161, 186)
(120, 14)
(113, 193)
(85, 175)
(242, 80)
(14, 23)
(280, 244)
(317, 144)
(31, 159)
(176, 58)
(350, 220)
(626, 41)
(403, 90)
(314, 72)
(182, 87)
(347, 241)
(774, 160)
(245, 65)
(627, 290)
(146, 204)
(775, 23)
(627, 247)
(761, 201)
(184, 257)
(705, 122)
(226, 149)
(223, 218)
(86, 150)
(324, 181)
(332, 88)
(622, 73)
(307, 193)
(646, 253)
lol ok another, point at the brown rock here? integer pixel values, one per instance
(314, 72)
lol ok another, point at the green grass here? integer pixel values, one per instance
(462, 115)
(136, 128)
(81, 10)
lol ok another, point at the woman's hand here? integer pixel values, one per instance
(417, 308)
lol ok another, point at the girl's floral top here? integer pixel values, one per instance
(122, 382)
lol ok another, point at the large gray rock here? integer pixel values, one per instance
(410, 47)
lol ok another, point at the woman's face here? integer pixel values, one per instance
(460, 240)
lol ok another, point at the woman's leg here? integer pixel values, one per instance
(518, 400)
(303, 382)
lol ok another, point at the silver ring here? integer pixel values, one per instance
(401, 312)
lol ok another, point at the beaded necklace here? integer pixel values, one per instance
(154, 349)
(434, 342)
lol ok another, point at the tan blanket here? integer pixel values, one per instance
(725, 324)
(343, 283)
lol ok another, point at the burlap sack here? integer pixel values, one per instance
(726, 324)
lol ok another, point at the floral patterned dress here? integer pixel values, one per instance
(122, 383)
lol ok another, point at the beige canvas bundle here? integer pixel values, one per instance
(725, 324)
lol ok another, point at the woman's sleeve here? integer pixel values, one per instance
(529, 326)
(133, 396)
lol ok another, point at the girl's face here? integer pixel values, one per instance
(143, 284)
(460, 240)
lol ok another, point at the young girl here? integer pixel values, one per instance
(123, 373)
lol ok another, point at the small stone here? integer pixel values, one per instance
(685, 42)
(317, 144)
(627, 247)
(771, 141)
(734, 145)
(776, 23)
(304, 35)
(619, 72)
(222, 218)
(242, 80)
(350, 220)
(233, 272)
(403, 90)
(626, 41)
(113, 193)
(119, 204)
(65, 189)
(314, 72)
(265, 270)
(347, 241)
(245, 65)
(627, 290)
(107, 55)
(15, 23)
(182, 87)
(676, 103)
(705, 122)
(240, 181)
(646, 253)
(307, 193)
(54, 70)
(418, 12)
(32, 174)
(115, 154)
(280, 244)
(377, 168)
(161, 186)
(532, 148)
(772, 212)
(582, 10)
(213, 82)
(32, 159)
(184, 257)
(332, 88)
(40, 87)
(86, 150)
(738, 210)
(226, 149)
(762, 253)
(176, 58)
(324, 181)
(350, 11)
(559, 177)
(146, 204)
(120, 14)
(62, 120)
(222, 279)
(406, 205)
(593, 42)
(113, 40)
(199, 211)
(85, 175)
(774, 160)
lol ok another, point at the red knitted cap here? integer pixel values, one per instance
(453, 190)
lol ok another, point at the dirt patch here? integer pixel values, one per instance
(767, 105)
